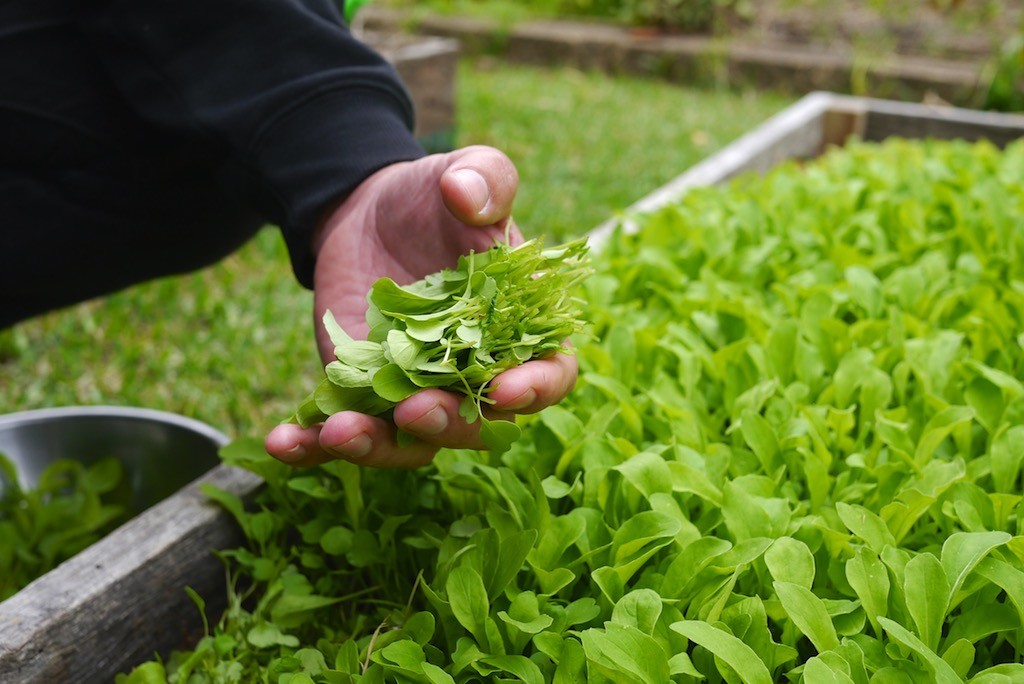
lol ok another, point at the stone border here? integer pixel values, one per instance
(699, 60)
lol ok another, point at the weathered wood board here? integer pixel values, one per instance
(123, 599)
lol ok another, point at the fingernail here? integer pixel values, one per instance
(475, 187)
(357, 447)
(295, 453)
(433, 422)
(524, 400)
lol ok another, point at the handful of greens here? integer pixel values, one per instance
(456, 330)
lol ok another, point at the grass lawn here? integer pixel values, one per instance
(232, 345)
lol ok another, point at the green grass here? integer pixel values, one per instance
(232, 345)
(587, 146)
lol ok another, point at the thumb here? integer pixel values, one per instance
(479, 186)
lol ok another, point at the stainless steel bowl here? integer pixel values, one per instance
(161, 452)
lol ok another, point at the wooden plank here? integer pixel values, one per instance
(123, 599)
(888, 118)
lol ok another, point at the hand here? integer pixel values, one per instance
(406, 221)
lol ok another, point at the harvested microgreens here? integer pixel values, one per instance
(455, 330)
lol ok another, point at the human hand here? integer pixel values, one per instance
(406, 221)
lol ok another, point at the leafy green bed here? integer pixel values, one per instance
(794, 452)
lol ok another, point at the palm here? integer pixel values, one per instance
(397, 225)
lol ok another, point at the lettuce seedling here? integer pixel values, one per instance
(455, 330)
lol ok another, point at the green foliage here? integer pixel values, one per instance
(455, 330)
(794, 452)
(351, 7)
(71, 507)
(1005, 91)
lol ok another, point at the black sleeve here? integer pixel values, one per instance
(281, 87)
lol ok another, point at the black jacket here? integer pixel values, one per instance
(141, 138)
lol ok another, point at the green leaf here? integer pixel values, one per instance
(926, 587)
(152, 672)
(866, 525)
(436, 675)
(572, 664)
(809, 614)
(392, 384)
(468, 599)
(1006, 456)
(337, 541)
(639, 538)
(521, 667)
(498, 435)
(267, 635)
(728, 648)
(389, 297)
(939, 428)
(1004, 673)
(1007, 578)
(817, 669)
(344, 375)
(869, 578)
(939, 668)
(760, 437)
(337, 334)
(625, 653)
(865, 290)
(789, 560)
(962, 551)
(960, 656)
(291, 606)
(640, 609)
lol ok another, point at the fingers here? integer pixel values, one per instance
(535, 385)
(432, 416)
(364, 440)
(479, 185)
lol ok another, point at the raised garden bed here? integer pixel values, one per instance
(122, 598)
(185, 522)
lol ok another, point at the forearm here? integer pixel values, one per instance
(301, 110)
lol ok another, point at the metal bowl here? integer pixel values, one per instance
(161, 452)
